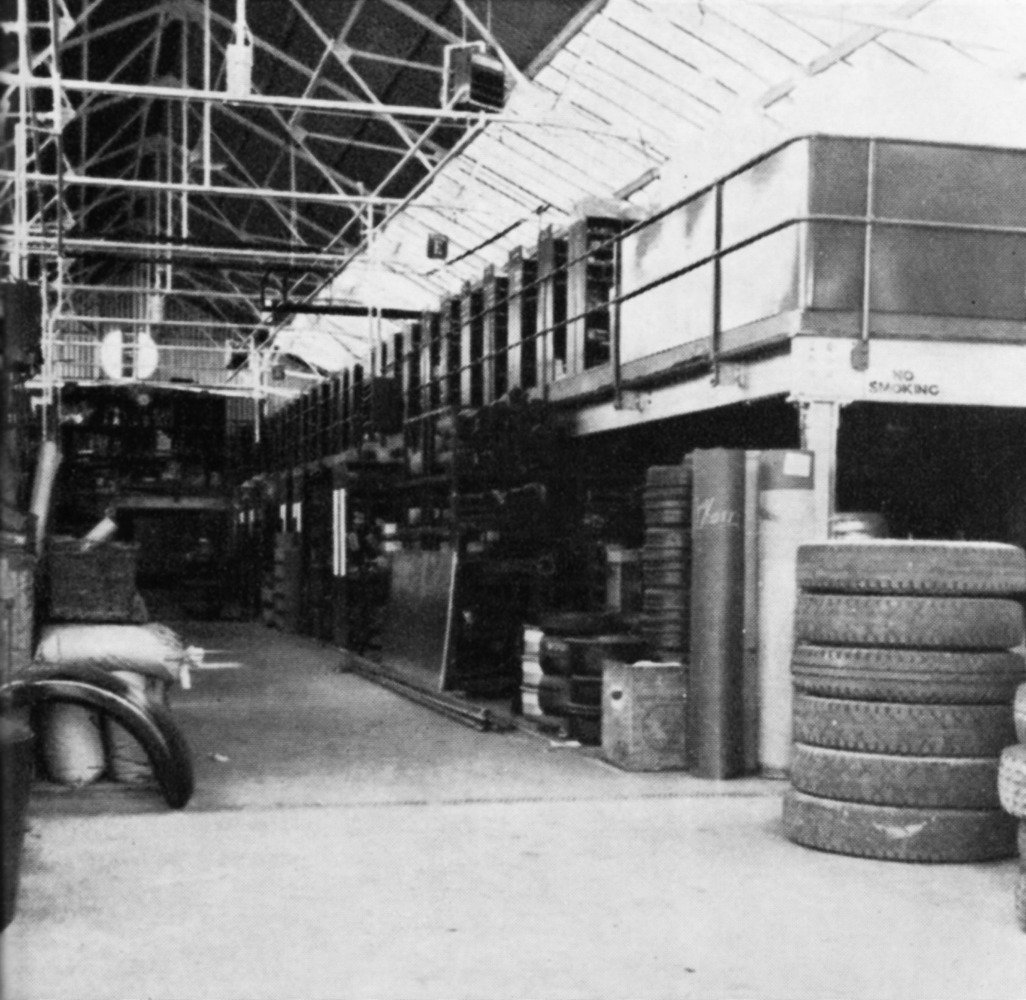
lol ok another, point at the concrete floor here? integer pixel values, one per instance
(344, 842)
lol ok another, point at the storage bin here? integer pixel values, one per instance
(644, 715)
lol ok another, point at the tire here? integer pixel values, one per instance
(668, 516)
(665, 600)
(585, 692)
(902, 729)
(553, 693)
(919, 622)
(584, 724)
(889, 833)
(179, 785)
(576, 623)
(908, 675)
(901, 567)
(618, 649)
(86, 673)
(1012, 780)
(670, 578)
(562, 657)
(556, 657)
(666, 543)
(669, 475)
(890, 780)
(1019, 713)
(152, 725)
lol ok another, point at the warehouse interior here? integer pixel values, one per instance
(382, 363)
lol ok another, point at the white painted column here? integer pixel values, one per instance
(786, 521)
(820, 422)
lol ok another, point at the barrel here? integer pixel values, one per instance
(716, 665)
(553, 694)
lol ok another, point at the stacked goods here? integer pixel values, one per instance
(584, 701)
(79, 744)
(444, 443)
(574, 650)
(531, 672)
(287, 582)
(666, 560)
(584, 708)
(904, 679)
(1012, 791)
(45, 687)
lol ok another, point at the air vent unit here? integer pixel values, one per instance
(472, 80)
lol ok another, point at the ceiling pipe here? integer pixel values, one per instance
(237, 192)
(348, 108)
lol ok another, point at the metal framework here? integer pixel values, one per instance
(162, 157)
(176, 170)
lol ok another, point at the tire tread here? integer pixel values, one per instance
(894, 566)
(890, 833)
(919, 622)
(888, 779)
(903, 729)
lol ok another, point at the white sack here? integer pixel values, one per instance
(153, 649)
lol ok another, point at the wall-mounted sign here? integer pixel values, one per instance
(911, 371)
(437, 246)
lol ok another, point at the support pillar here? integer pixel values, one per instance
(819, 427)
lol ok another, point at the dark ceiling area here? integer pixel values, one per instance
(313, 52)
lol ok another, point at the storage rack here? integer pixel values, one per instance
(462, 397)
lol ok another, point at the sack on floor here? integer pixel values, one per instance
(152, 649)
(72, 744)
(127, 761)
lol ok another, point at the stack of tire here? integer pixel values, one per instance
(574, 650)
(666, 561)
(904, 678)
(1012, 791)
(531, 672)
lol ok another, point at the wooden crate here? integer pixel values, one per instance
(97, 584)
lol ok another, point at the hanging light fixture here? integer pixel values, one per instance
(472, 78)
(239, 56)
